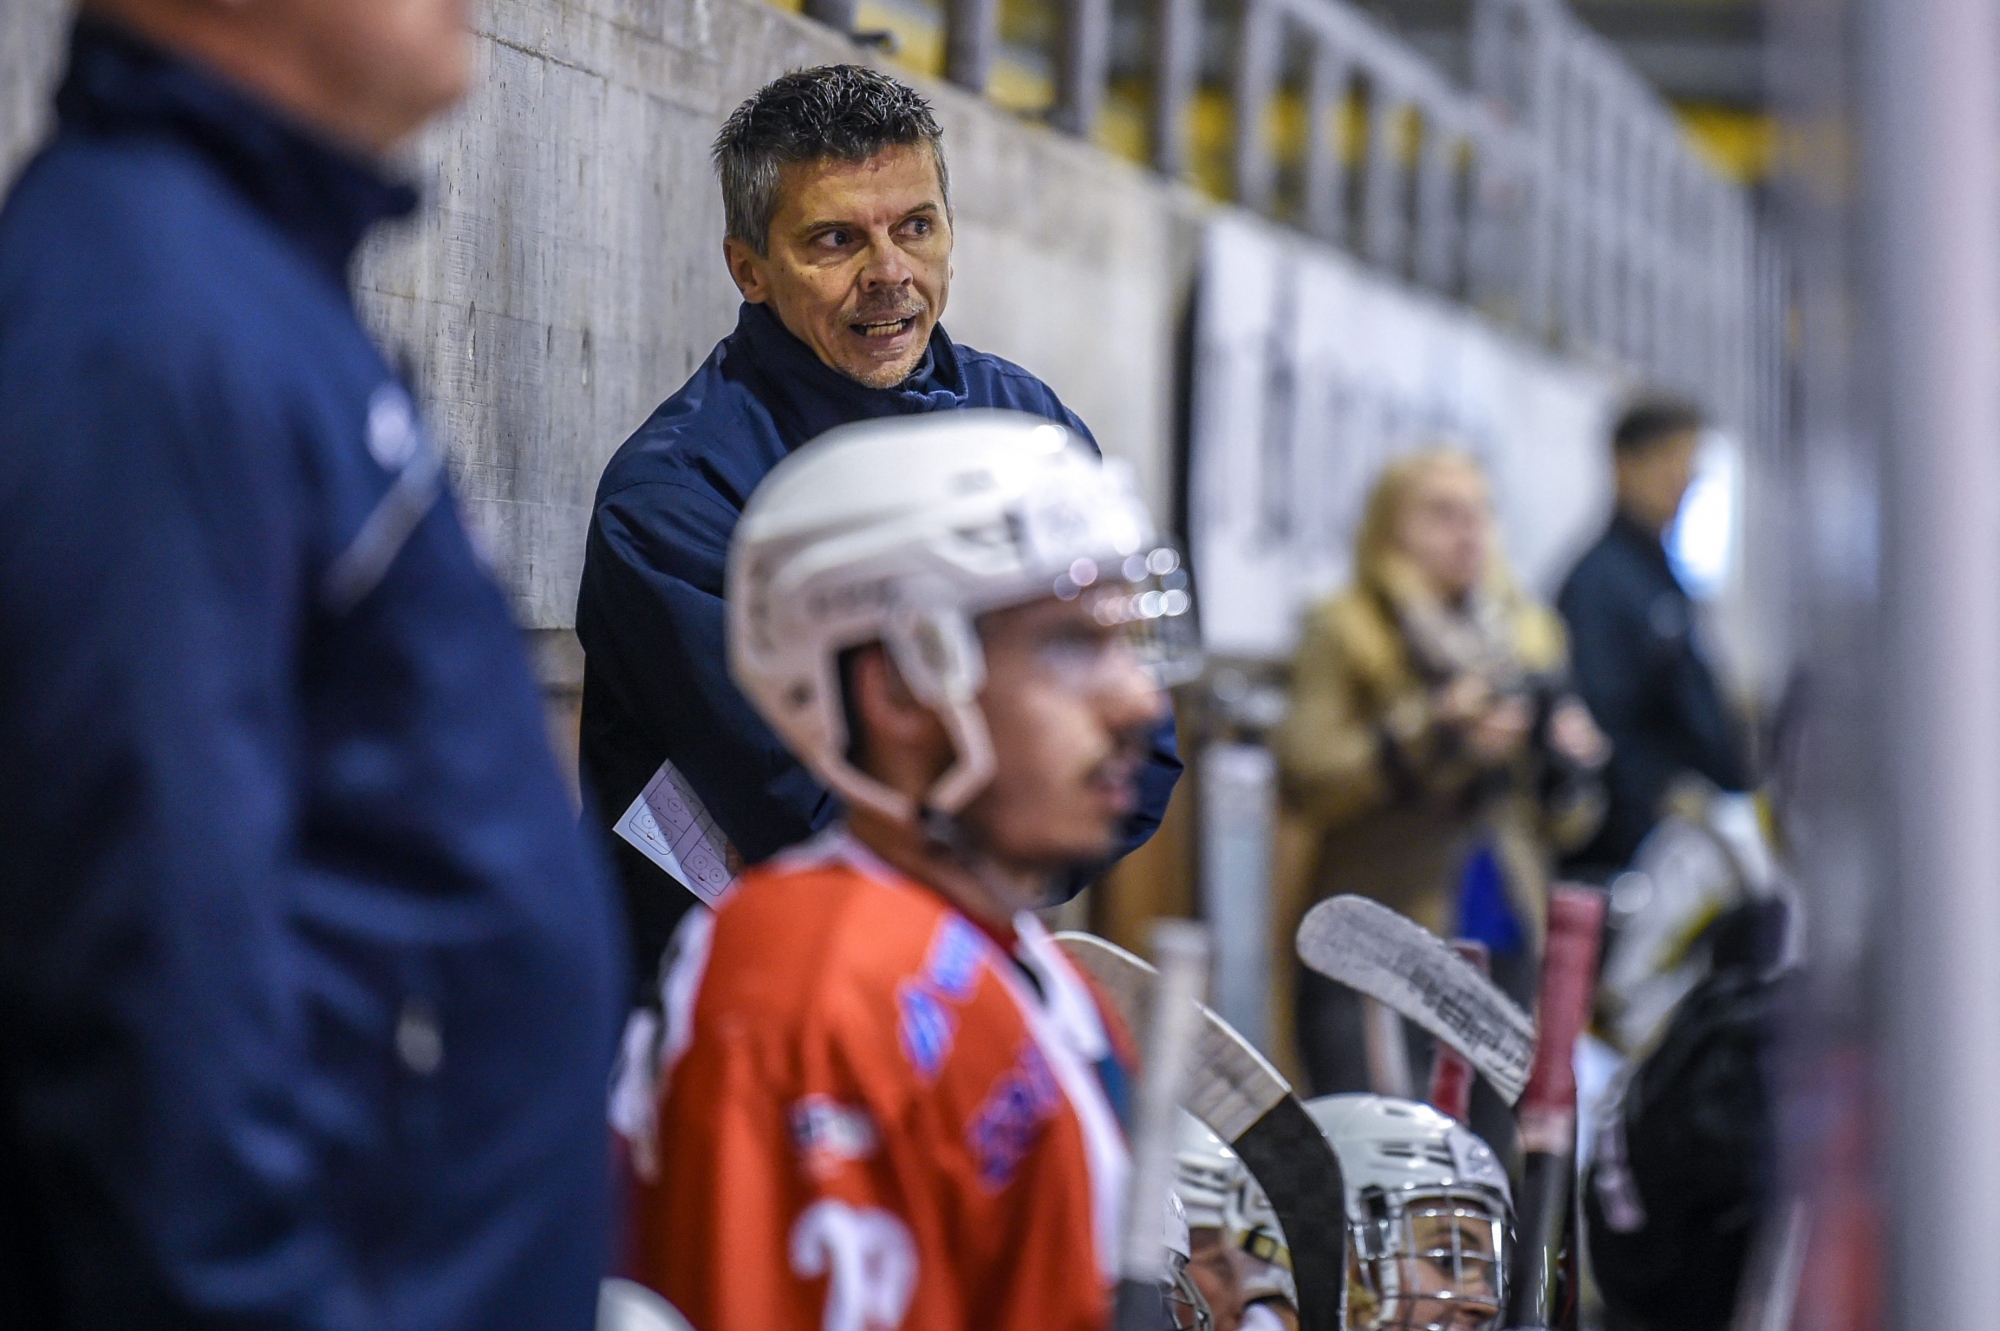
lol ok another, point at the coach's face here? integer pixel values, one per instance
(858, 262)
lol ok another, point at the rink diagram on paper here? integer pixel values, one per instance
(671, 827)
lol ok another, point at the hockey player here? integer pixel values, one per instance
(1205, 1173)
(887, 1099)
(1429, 1216)
(1185, 1296)
(1239, 1258)
(1270, 1295)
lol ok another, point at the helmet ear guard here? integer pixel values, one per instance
(942, 661)
(939, 657)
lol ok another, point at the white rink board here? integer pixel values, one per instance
(1310, 372)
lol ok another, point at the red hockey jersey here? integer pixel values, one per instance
(872, 1117)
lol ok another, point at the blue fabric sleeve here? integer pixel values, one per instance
(156, 1067)
(654, 580)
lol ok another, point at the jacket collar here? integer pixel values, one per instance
(321, 197)
(1647, 543)
(807, 397)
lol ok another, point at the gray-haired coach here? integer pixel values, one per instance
(838, 208)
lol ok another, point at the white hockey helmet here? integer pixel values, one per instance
(623, 1305)
(1424, 1195)
(1206, 1172)
(1219, 1193)
(903, 532)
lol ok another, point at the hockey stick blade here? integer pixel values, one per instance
(1229, 1084)
(1243, 1099)
(1410, 970)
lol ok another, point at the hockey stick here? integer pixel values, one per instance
(1548, 1108)
(1169, 1035)
(1410, 970)
(1451, 1074)
(1244, 1101)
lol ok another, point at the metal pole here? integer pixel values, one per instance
(1383, 241)
(1931, 133)
(1437, 237)
(1176, 69)
(971, 35)
(836, 14)
(1539, 305)
(1326, 121)
(1083, 61)
(1256, 85)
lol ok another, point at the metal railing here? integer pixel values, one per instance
(1621, 241)
(1556, 194)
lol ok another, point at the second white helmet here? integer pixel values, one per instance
(1429, 1214)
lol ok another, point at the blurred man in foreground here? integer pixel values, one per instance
(890, 1099)
(838, 208)
(308, 981)
(1634, 644)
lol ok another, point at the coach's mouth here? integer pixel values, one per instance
(885, 329)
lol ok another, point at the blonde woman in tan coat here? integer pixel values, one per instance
(1431, 722)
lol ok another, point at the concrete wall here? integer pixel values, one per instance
(565, 274)
(30, 50)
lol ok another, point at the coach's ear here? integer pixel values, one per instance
(746, 269)
(897, 738)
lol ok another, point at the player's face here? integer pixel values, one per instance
(858, 263)
(1445, 526)
(1453, 1257)
(1070, 707)
(1213, 1267)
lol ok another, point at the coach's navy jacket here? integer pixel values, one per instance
(656, 673)
(1638, 663)
(308, 982)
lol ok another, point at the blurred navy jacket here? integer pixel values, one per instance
(1637, 657)
(650, 616)
(308, 982)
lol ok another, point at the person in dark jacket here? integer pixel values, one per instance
(309, 983)
(1634, 644)
(837, 203)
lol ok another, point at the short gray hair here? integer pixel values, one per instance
(833, 112)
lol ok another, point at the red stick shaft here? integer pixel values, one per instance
(1569, 980)
(1548, 1106)
(1451, 1075)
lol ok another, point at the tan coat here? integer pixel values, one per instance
(1375, 797)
